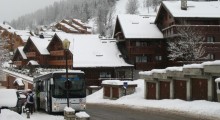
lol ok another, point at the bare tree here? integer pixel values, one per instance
(188, 45)
(132, 7)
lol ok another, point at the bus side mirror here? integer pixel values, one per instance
(51, 81)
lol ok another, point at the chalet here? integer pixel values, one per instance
(140, 41)
(199, 15)
(73, 26)
(19, 59)
(187, 82)
(36, 50)
(99, 59)
(20, 37)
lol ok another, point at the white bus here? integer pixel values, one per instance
(51, 94)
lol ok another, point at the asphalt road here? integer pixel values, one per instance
(107, 112)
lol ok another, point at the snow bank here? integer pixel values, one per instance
(10, 115)
(8, 98)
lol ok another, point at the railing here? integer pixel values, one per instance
(212, 47)
(31, 54)
(57, 53)
(171, 31)
(150, 65)
(60, 62)
(147, 49)
(18, 63)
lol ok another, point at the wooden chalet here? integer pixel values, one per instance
(202, 16)
(140, 42)
(36, 50)
(73, 26)
(20, 38)
(19, 59)
(99, 59)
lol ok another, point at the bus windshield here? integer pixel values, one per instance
(77, 90)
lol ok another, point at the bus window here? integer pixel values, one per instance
(219, 85)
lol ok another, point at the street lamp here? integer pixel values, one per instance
(68, 84)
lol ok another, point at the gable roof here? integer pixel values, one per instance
(41, 44)
(20, 49)
(91, 51)
(6, 26)
(136, 26)
(195, 9)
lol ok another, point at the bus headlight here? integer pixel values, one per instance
(56, 106)
(83, 105)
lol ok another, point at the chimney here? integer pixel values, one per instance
(183, 4)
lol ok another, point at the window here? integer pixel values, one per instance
(210, 39)
(210, 56)
(219, 85)
(141, 59)
(105, 75)
(158, 58)
(140, 43)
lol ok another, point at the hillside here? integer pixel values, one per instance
(99, 14)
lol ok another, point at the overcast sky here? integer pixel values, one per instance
(12, 9)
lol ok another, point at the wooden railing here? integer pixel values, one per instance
(18, 63)
(57, 53)
(212, 47)
(171, 31)
(60, 62)
(153, 65)
(147, 49)
(31, 54)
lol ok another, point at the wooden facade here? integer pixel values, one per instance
(208, 27)
(72, 26)
(19, 60)
(33, 53)
(57, 54)
(143, 53)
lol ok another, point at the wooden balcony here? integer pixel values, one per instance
(18, 63)
(57, 53)
(31, 54)
(147, 49)
(212, 47)
(149, 65)
(60, 62)
(171, 31)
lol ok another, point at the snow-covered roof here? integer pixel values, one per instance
(19, 81)
(193, 66)
(41, 44)
(33, 62)
(117, 82)
(6, 26)
(91, 51)
(20, 49)
(136, 26)
(201, 9)
(69, 27)
(23, 33)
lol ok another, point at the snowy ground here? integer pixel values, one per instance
(195, 108)
(11, 115)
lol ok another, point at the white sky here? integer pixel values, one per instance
(12, 9)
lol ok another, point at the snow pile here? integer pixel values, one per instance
(8, 98)
(137, 100)
(10, 115)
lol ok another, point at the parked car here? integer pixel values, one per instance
(12, 99)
